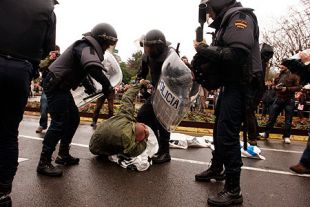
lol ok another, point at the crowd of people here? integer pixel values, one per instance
(234, 63)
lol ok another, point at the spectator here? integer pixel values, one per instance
(99, 103)
(285, 85)
(268, 98)
(301, 101)
(43, 68)
(203, 94)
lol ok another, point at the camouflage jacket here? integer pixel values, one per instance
(117, 134)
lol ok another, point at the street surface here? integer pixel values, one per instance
(100, 183)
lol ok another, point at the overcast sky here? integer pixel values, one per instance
(132, 18)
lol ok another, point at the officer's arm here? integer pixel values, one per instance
(127, 102)
(96, 72)
(226, 55)
(239, 37)
(91, 64)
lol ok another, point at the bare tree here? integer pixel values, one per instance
(291, 33)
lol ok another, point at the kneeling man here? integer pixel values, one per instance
(122, 134)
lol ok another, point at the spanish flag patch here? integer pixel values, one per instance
(241, 24)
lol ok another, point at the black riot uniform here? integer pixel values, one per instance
(235, 53)
(83, 57)
(27, 35)
(155, 53)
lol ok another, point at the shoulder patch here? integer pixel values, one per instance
(241, 24)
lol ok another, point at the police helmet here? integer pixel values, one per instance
(154, 37)
(218, 5)
(104, 33)
(154, 43)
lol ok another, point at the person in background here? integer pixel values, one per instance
(43, 68)
(285, 85)
(301, 102)
(99, 103)
(256, 93)
(84, 57)
(268, 98)
(21, 49)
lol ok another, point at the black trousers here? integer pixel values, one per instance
(146, 115)
(229, 116)
(15, 79)
(65, 118)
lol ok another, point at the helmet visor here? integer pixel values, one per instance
(109, 39)
(152, 42)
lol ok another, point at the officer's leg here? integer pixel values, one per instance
(146, 115)
(14, 85)
(228, 129)
(71, 123)
(58, 108)
(251, 126)
(163, 154)
(305, 158)
(303, 167)
(215, 171)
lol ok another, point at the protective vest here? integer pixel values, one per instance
(253, 64)
(24, 26)
(69, 68)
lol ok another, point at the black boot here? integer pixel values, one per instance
(64, 158)
(5, 190)
(45, 166)
(163, 154)
(230, 195)
(215, 171)
(5, 201)
(212, 172)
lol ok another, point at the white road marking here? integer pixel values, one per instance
(207, 163)
(244, 167)
(279, 150)
(20, 159)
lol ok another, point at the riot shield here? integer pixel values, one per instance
(113, 73)
(174, 93)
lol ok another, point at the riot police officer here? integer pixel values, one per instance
(83, 57)
(21, 49)
(155, 52)
(234, 53)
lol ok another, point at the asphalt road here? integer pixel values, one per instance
(99, 183)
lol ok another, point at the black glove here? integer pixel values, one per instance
(88, 84)
(212, 53)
